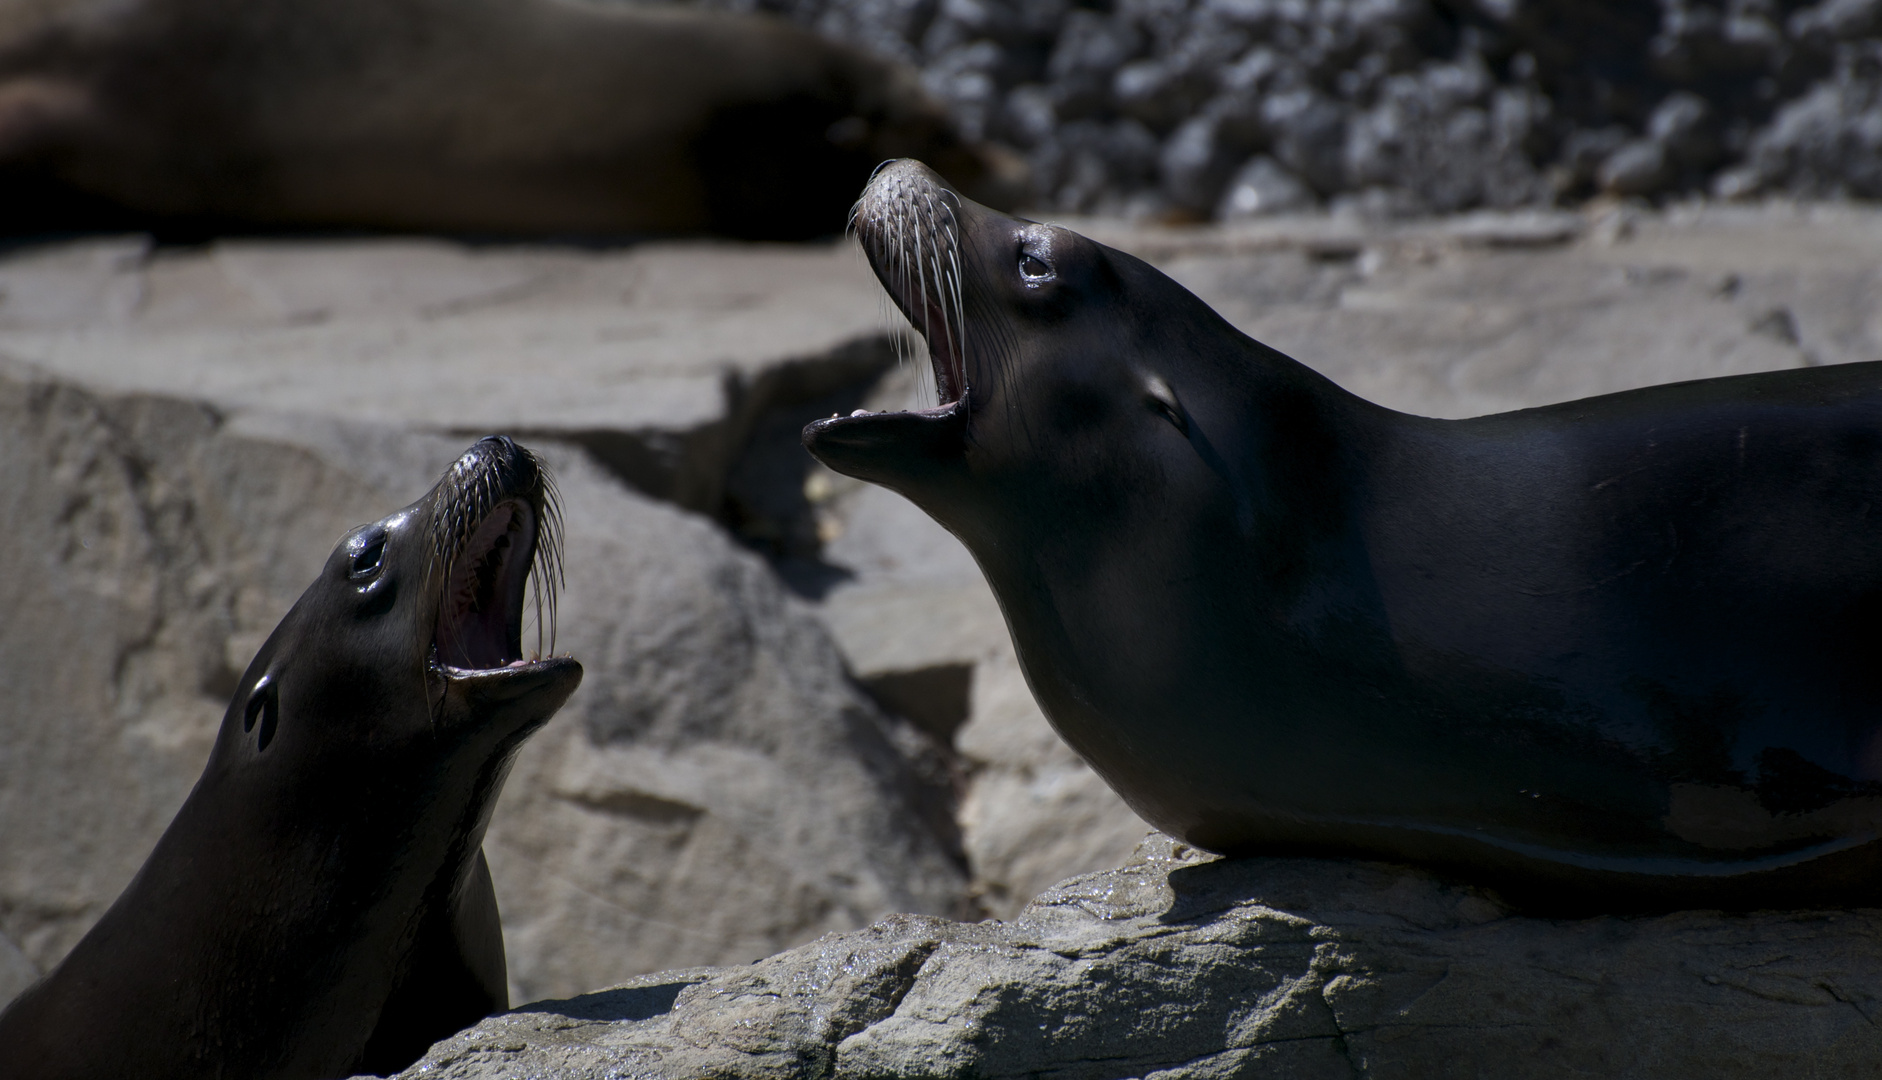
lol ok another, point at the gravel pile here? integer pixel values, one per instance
(1231, 108)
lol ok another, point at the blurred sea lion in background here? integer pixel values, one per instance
(483, 117)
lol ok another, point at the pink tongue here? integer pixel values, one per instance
(519, 663)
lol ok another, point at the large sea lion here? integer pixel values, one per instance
(1619, 653)
(518, 117)
(320, 905)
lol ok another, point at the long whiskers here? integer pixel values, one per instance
(468, 493)
(911, 230)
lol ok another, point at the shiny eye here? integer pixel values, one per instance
(369, 549)
(1033, 268)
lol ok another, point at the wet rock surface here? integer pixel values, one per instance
(801, 710)
(1394, 106)
(1179, 965)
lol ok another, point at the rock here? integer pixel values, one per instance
(1033, 811)
(1309, 133)
(1838, 19)
(1262, 187)
(717, 790)
(1682, 125)
(16, 971)
(1449, 139)
(921, 629)
(1080, 161)
(154, 548)
(1638, 168)
(1435, 106)
(1826, 143)
(1180, 966)
(657, 359)
(966, 77)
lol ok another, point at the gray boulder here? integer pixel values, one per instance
(719, 789)
(1180, 965)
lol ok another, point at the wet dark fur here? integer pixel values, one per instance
(1613, 654)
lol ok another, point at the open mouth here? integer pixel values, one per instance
(481, 621)
(496, 524)
(909, 227)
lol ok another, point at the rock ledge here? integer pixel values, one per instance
(1181, 965)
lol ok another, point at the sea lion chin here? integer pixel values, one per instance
(320, 906)
(1614, 654)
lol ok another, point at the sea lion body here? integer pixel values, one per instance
(320, 905)
(1614, 654)
(497, 117)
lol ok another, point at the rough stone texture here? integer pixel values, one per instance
(1394, 106)
(153, 550)
(920, 627)
(1179, 965)
(718, 789)
(658, 359)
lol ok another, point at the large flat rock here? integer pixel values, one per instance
(659, 357)
(1180, 966)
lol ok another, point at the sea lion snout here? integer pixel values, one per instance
(494, 516)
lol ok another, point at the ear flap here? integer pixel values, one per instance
(1163, 399)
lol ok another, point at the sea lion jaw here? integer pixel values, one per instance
(423, 609)
(952, 267)
(494, 517)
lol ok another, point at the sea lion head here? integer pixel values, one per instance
(411, 639)
(1130, 472)
(1074, 378)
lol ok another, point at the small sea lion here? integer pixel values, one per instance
(1613, 654)
(320, 906)
(491, 117)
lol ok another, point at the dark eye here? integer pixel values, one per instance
(1033, 268)
(369, 548)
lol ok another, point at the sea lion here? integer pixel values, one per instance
(489, 117)
(320, 906)
(1613, 654)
